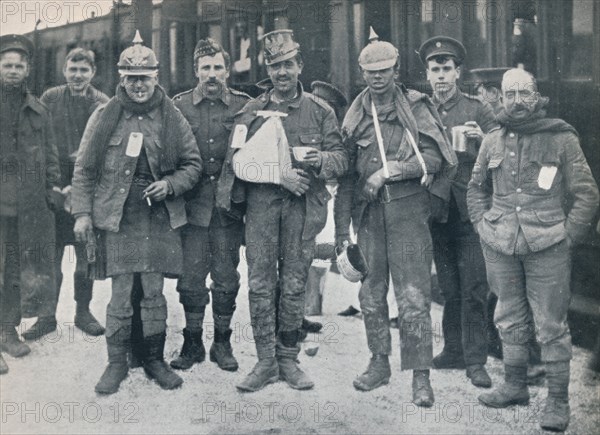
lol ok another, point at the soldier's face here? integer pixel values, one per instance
(78, 74)
(212, 74)
(381, 81)
(519, 96)
(13, 68)
(284, 75)
(442, 76)
(139, 88)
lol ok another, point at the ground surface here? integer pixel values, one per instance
(52, 389)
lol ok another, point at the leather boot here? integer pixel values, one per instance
(377, 374)
(3, 366)
(266, 371)
(116, 371)
(449, 359)
(154, 364)
(310, 326)
(43, 326)
(287, 351)
(513, 391)
(221, 351)
(421, 389)
(556, 411)
(192, 351)
(479, 376)
(10, 343)
(86, 321)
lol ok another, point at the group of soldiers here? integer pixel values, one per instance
(146, 187)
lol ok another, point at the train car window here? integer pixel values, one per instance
(580, 45)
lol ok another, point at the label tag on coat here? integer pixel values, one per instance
(546, 177)
(134, 145)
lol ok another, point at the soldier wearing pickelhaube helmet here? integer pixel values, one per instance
(284, 219)
(389, 206)
(137, 157)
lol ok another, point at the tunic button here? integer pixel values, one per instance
(212, 104)
(374, 159)
(140, 117)
(211, 141)
(514, 172)
(122, 190)
(211, 160)
(512, 153)
(518, 208)
(212, 177)
(512, 135)
(519, 190)
(127, 172)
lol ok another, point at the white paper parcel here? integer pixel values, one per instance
(265, 157)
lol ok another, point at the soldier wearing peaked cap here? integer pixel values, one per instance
(283, 220)
(211, 240)
(396, 146)
(26, 202)
(457, 253)
(137, 157)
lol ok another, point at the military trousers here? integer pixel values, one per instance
(534, 293)
(462, 278)
(216, 250)
(396, 241)
(10, 276)
(82, 284)
(153, 305)
(276, 252)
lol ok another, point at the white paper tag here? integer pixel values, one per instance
(239, 136)
(546, 177)
(134, 145)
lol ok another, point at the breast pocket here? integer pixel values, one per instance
(314, 140)
(113, 156)
(495, 173)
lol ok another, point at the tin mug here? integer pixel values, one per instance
(459, 140)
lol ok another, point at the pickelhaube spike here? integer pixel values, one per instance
(372, 35)
(137, 38)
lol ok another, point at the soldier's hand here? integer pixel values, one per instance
(341, 240)
(296, 181)
(475, 132)
(373, 185)
(313, 158)
(83, 229)
(157, 191)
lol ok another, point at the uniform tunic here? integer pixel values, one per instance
(457, 253)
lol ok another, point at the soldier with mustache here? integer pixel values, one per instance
(526, 170)
(211, 240)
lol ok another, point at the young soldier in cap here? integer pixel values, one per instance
(211, 240)
(283, 220)
(456, 249)
(389, 205)
(137, 157)
(70, 107)
(28, 193)
(525, 171)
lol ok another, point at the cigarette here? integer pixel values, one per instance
(148, 201)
